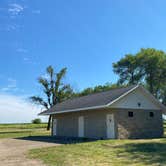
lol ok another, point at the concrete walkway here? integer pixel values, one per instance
(13, 151)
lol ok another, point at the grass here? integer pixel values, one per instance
(98, 153)
(105, 153)
(22, 130)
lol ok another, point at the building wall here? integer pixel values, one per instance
(67, 125)
(94, 123)
(132, 100)
(141, 125)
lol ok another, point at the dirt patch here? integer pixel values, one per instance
(13, 152)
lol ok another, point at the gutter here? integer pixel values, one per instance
(75, 110)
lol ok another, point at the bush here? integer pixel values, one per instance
(36, 121)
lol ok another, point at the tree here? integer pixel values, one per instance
(128, 70)
(148, 67)
(54, 90)
(151, 61)
(36, 121)
(98, 88)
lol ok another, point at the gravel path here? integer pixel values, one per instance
(13, 152)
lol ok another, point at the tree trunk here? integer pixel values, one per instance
(151, 79)
(49, 123)
(132, 78)
(151, 85)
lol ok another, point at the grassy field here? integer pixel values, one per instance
(105, 153)
(22, 130)
(98, 153)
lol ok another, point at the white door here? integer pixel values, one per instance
(54, 126)
(81, 126)
(110, 126)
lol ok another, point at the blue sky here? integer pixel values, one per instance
(86, 36)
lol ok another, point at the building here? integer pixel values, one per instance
(130, 112)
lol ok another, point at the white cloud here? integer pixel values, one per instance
(11, 85)
(22, 50)
(11, 27)
(36, 11)
(15, 9)
(15, 109)
(27, 60)
(11, 12)
(46, 76)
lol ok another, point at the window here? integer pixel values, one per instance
(151, 114)
(130, 114)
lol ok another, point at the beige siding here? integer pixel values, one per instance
(141, 125)
(94, 121)
(131, 101)
(95, 124)
(67, 125)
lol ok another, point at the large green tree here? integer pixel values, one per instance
(148, 67)
(152, 63)
(128, 70)
(54, 90)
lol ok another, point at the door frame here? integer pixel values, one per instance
(54, 131)
(110, 128)
(81, 126)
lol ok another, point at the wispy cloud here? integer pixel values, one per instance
(11, 85)
(15, 9)
(17, 109)
(46, 76)
(11, 27)
(22, 50)
(29, 60)
(26, 59)
(36, 11)
(11, 11)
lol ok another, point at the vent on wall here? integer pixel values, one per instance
(139, 104)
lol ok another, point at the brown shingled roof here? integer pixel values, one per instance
(92, 100)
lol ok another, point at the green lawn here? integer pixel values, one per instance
(102, 153)
(99, 153)
(105, 153)
(22, 130)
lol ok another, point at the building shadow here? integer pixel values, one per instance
(58, 140)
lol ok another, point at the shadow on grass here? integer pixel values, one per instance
(59, 140)
(147, 153)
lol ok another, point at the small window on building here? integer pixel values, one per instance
(151, 114)
(130, 114)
